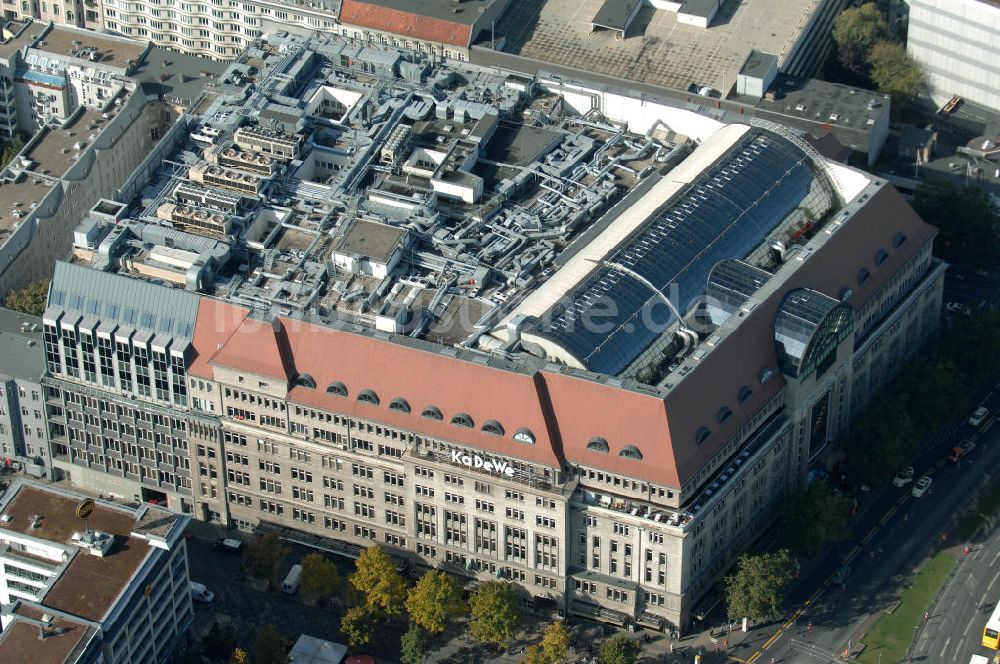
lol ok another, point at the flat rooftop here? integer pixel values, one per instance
(659, 50)
(21, 344)
(64, 642)
(16, 199)
(371, 239)
(445, 10)
(54, 152)
(25, 37)
(63, 41)
(175, 75)
(89, 585)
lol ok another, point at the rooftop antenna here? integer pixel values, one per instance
(83, 512)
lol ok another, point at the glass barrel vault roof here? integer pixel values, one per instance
(612, 316)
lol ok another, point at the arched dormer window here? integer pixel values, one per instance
(368, 397)
(631, 452)
(702, 435)
(337, 388)
(305, 380)
(525, 436)
(724, 414)
(881, 256)
(863, 275)
(765, 375)
(598, 445)
(432, 413)
(400, 405)
(463, 420)
(898, 239)
(744, 394)
(493, 427)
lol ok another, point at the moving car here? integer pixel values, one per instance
(903, 477)
(979, 415)
(956, 308)
(962, 450)
(229, 545)
(841, 574)
(921, 486)
(200, 593)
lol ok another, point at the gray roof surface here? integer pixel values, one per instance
(702, 8)
(614, 14)
(139, 304)
(20, 347)
(758, 64)
(177, 75)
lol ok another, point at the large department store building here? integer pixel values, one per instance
(687, 320)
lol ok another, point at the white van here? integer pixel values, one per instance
(291, 582)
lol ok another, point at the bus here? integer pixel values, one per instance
(991, 633)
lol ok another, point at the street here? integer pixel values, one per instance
(894, 535)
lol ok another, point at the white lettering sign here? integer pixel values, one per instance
(487, 464)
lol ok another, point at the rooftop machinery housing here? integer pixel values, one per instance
(564, 336)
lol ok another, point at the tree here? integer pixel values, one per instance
(894, 72)
(555, 642)
(270, 647)
(494, 612)
(757, 589)
(435, 601)
(319, 577)
(882, 439)
(966, 218)
(972, 343)
(813, 515)
(359, 624)
(376, 577)
(239, 656)
(218, 643)
(855, 32)
(553, 647)
(10, 149)
(619, 649)
(263, 555)
(30, 299)
(413, 645)
(936, 391)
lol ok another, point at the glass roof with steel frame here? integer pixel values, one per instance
(731, 283)
(612, 316)
(807, 327)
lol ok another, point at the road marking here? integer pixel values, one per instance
(902, 499)
(982, 600)
(967, 626)
(946, 642)
(774, 637)
(753, 658)
(995, 576)
(995, 558)
(988, 425)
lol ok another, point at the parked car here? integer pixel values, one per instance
(962, 450)
(903, 477)
(200, 593)
(979, 416)
(840, 576)
(229, 545)
(956, 308)
(921, 486)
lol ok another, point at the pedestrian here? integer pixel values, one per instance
(809, 626)
(927, 616)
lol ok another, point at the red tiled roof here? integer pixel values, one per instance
(404, 24)
(214, 326)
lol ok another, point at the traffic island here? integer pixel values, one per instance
(890, 637)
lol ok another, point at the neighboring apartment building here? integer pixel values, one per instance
(23, 430)
(78, 92)
(113, 589)
(955, 43)
(456, 404)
